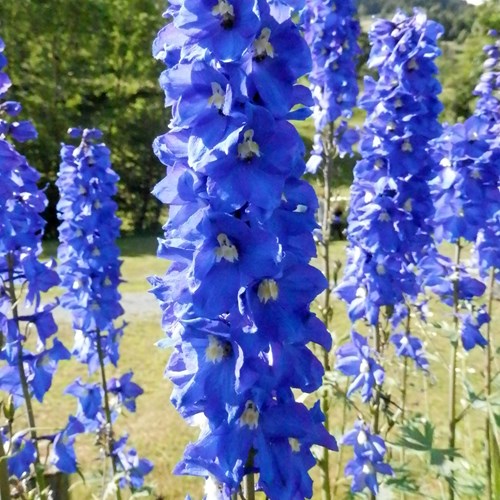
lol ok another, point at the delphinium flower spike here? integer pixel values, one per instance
(24, 375)
(236, 297)
(390, 203)
(90, 273)
(487, 245)
(332, 30)
(467, 198)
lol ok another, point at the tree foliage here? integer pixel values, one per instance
(87, 63)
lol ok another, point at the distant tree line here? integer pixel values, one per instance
(456, 16)
(89, 63)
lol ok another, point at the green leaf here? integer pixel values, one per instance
(418, 436)
(403, 481)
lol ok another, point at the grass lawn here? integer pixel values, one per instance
(160, 434)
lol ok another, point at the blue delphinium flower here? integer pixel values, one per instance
(487, 243)
(24, 375)
(331, 30)
(411, 347)
(466, 196)
(369, 450)
(236, 298)
(470, 328)
(390, 204)
(355, 359)
(390, 201)
(90, 272)
(130, 466)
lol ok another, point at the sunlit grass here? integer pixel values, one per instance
(160, 434)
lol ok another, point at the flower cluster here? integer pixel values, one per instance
(236, 297)
(331, 30)
(467, 200)
(90, 273)
(488, 106)
(390, 202)
(23, 278)
(488, 88)
(368, 460)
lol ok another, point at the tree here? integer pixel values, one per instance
(89, 63)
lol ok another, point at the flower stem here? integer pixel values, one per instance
(249, 486)
(489, 357)
(341, 451)
(107, 412)
(4, 474)
(453, 366)
(40, 479)
(328, 160)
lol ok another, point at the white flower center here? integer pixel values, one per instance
(261, 46)
(380, 269)
(250, 416)
(248, 148)
(368, 468)
(294, 444)
(404, 341)
(362, 437)
(216, 350)
(408, 206)
(226, 250)
(268, 290)
(476, 173)
(406, 146)
(364, 367)
(218, 96)
(223, 9)
(384, 216)
(413, 64)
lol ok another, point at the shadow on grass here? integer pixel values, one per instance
(130, 245)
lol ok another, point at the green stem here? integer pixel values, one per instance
(405, 389)
(341, 451)
(452, 422)
(249, 486)
(4, 474)
(328, 161)
(107, 412)
(39, 476)
(489, 358)
(376, 415)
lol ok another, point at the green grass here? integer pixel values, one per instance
(160, 434)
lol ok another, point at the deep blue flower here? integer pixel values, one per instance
(235, 300)
(224, 27)
(130, 465)
(331, 30)
(23, 279)
(125, 390)
(63, 452)
(354, 359)
(89, 399)
(364, 443)
(90, 271)
(364, 473)
(470, 328)
(23, 455)
(411, 347)
(390, 208)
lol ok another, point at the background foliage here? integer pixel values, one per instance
(81, 63)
